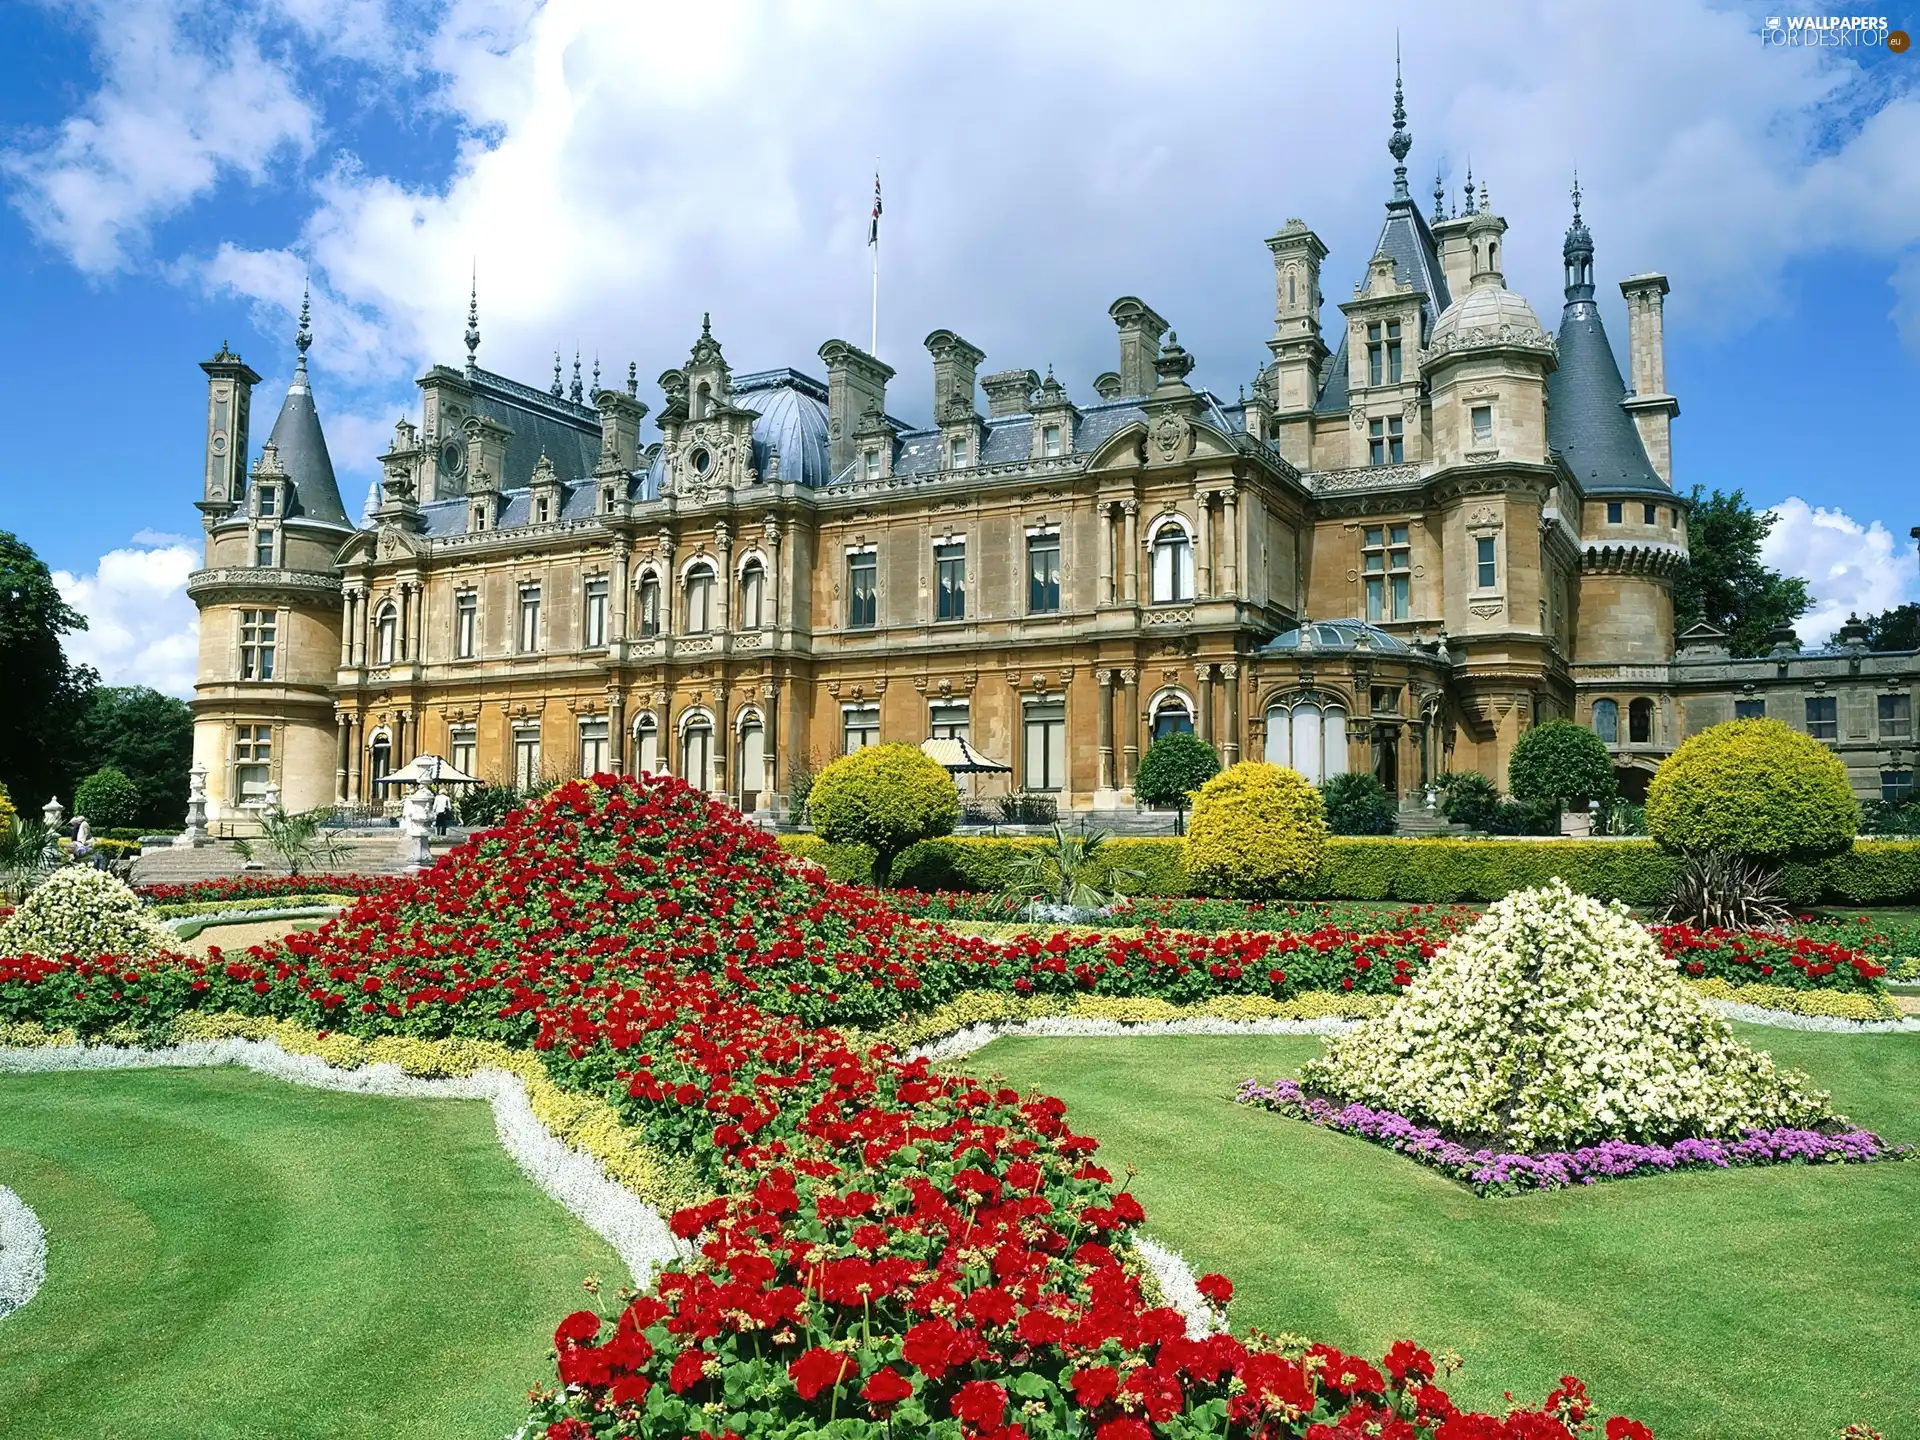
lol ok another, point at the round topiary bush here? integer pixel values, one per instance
(108, 799)
(1358, 804)
(1257, 830)
(1173, 768)
(886, 796)
(1562, 764)
(85, 913)
(1753, 788)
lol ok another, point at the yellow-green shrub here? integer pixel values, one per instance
(886, 796)
(1257, 830)
(1753, 788)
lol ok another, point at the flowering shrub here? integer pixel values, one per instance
(1257, 829)
(81, 911)
(264, 887)
(887, 1249)
(1558, 1022)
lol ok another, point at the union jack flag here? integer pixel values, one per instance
(873, 226)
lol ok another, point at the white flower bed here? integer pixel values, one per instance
(81, 911)
(635, 1230)
(1556, 1021)
(1068, 1027)
(23, 1253)
(1830, 1024)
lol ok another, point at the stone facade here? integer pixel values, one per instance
(789, 570)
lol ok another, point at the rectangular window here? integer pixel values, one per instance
(1484, 559)
(650, 606)
(269, 500)
(466, 626)
(1045, 751)
(463, 749)
(1896, 717)
(258, 629)
(950, 720)
(252, 761)
(1896, 786)
(593, 747)
(871, 464)
(1483, 425)
(542, 510)
(263, 549)
(950, 581)
(1043, 574)
(859, 727)
(1393, 352)
(596, 621)
(1615, 512)
(529, 619)
(1823, 721)
(1386, 441)
(526, 756)
(1749, 709)
(957, 452)
(1648, 514)
(479, 517)
(1387, 564)
(1050, 440)
(863, 572)
(1376, 356)
(1386, 699)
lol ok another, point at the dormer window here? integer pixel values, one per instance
(1383, 353)
(606, 499)
(542, 510)
(1050, 440)
(1386, 441)
(269, 501)
(957, 452)
(871, 464)
(479, 517)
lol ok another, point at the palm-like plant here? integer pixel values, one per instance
(1725, 892)
(29, 851)
(1055, 871)
(300, 841)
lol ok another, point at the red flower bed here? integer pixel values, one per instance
(1799, 962)
(890, 1250)
(263, 887)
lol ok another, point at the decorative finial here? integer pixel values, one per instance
(1485, 207)
(304, 336)
(706, 324)
(1576, 195)
(1439, 198)
(473, 319)
(596, 376)
(1469, 209)
(1402, 140)
(633, 378)
(574, 392)
(557, 390)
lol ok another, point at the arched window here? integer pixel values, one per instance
(699, 608)
(1640, 722)
(1335, 748)
(379, 760)
(651, 620)
(1309, 737)
(1307, 740)
(386, 633)
(1172, 564)
(646, 744)
(703, 401)
(1606, 721)
(753, 764)
(753, 584)
(1279, 736)
(1172, 717)
(696, 753)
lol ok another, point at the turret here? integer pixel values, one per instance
(230, 382)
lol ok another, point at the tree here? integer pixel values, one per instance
(1561, 764)
(107, 798)
(1753, 788)
(146, 736)
(1895, 629)
(886, 796)
(1725, 582)
(1258, 830)
(44, 694)
(1173, 768)
(1358, 804)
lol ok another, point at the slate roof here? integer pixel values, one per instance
(1596, 438)
(566, 433)
(303, 455)
(1409, 243)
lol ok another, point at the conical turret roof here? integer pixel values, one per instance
(303, 445)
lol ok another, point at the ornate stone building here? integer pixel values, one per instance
(1483, 510)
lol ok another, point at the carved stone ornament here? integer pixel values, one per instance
(1485, 609)
(1172, 437)
(1484, 517)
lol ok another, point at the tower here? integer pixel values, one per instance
(230, 382)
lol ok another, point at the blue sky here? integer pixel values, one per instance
(172, 171)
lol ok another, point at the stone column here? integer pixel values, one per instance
(1106, 554)
(1203, 722)
(616, 732)
(723, 741)
(723, 612)
(418, 652)
(346, 626)
(403, 629)
(1230, 543)
(1230, 751)
(622, 578)
(359, 658)
(341, 751)
(770, 737)
(770, 599)
(1105, 716)
(355, 731)
(1130, 562)
(1203, 545)
(1129, 726)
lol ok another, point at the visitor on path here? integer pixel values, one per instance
(82, 841)
(442, 813)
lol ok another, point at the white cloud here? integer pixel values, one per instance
(1850, 568)
(141, 627)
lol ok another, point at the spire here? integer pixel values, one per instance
(473, 320)
(596, 376)
(1401, 141)
(1470, 208)
(303, 337)
(557, 390)
(574, 392)
(1439, 198)
(1578, 253)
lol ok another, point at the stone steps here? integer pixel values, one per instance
(382, 853)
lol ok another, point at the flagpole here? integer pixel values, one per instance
(873, 347)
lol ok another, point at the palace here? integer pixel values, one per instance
(1407, 541)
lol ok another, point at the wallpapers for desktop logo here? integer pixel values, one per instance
(1851, 31)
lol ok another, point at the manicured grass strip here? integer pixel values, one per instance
(231, 1256)
(1763, 1302)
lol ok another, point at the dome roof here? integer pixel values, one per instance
(1339, 635)
(1488, 315)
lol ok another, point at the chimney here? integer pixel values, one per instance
(1652, 408)
(1299, 352)
(856, 384)
(620, 416)
(1010, 392)
(1140, 332)
(955, 366)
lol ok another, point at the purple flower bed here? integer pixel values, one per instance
(1492, 1172)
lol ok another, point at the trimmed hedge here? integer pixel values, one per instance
(1427, 872)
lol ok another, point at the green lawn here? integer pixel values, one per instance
(233, 1256)
(1763, 1303)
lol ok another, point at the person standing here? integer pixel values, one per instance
(442, 813)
